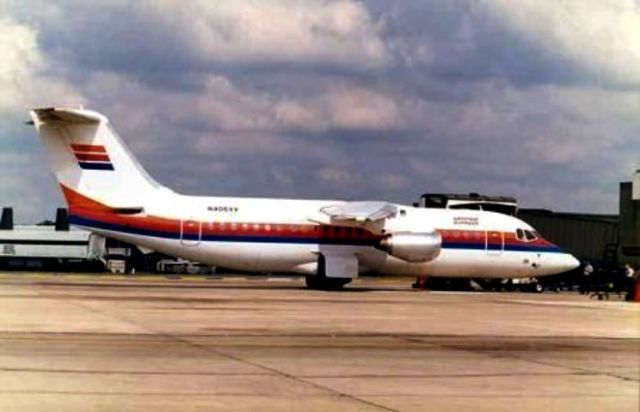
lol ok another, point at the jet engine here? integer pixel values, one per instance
(412, 247)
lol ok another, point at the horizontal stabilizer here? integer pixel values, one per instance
(54, 115)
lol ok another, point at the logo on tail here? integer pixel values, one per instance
(92, 157)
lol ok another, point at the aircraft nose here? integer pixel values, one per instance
(560, 263)
(571, 262)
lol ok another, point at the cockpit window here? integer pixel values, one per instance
(526, 235)
(531, 236)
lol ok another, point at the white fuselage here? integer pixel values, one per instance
(276, 235)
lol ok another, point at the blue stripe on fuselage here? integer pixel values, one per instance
(496, 248)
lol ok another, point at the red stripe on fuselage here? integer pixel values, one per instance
(85, 207)
(77, 201)
(160, 224)
(478, 237)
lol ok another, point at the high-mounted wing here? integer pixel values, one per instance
(369, 215)
(360, 212)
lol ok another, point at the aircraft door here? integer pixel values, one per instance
(494, 242)
(190, 232)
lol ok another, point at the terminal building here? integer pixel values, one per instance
(57, 246)
(630, 220)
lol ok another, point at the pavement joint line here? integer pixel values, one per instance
(446, 375)
(417, 339)
(586, 371)
(288, 376)
(297, 397)
(500, 396)
(274, 371)
(492, 354)
(120, 372)
(171, 394)
(597, 305)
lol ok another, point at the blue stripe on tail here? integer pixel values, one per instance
(96, 166)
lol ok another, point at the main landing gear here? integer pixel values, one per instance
(420, 283)
(320, 282)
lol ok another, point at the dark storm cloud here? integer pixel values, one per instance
(439, 50)
(467, 41)
(85, 38)
(434, 44)
(169, 44)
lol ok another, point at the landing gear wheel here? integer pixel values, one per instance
(324, 283)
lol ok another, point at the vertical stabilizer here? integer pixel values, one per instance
(89, 159)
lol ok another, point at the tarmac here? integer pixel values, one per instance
(230, 343)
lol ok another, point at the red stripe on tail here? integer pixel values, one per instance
(98, 157)
(91, 148)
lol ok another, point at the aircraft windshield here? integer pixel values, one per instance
(526, 235)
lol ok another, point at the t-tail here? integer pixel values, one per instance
(91, 163)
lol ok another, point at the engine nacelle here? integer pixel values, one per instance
(413, 247)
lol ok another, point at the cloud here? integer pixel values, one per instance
(171, 43)
(337, 99)
(24, 83)
(342, 108)
(23, 78)
(599, 36)
(532, 142)
(568, 42)
(327, 32)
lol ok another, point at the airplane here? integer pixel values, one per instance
(330, 242)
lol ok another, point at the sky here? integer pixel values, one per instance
(337, 99)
